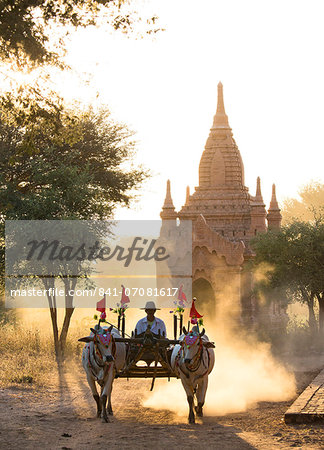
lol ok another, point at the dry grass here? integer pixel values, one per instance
(27, 355)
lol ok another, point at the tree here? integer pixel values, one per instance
(295, 255)
(311, 199)
(58, 164)
(33, 31)
(46, 152)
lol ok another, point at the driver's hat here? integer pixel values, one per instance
(150, 305)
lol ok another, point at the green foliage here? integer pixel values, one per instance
(61, 164)
(295, 255)
(28, 27)
(293, 260)
(56, 163)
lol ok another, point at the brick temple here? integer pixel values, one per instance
(225, 216)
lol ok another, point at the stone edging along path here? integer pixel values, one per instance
(309, 406)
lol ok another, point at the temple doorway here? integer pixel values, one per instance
(204, 293)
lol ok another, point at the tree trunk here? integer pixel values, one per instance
(60, 340)
(53, 313)
(69, 284)
(311, 315)
(50, 284)
(65, 329)
(309, 299)
(320, 298)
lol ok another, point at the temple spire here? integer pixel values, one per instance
(220, 99)
(258, 212)
(274, 217)
(220, 119)
(168, 203)
(273, 203)
(168, 211)
(258, 195)
(187, 195)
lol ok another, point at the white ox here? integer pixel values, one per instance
(192, 360)
(101, 358)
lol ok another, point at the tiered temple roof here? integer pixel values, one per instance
(221, 196)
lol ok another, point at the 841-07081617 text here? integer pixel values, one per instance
(142, 292)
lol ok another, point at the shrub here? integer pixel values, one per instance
(27, 355)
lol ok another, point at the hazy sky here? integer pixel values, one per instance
(269, 57)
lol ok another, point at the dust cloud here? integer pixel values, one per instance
(245, 371)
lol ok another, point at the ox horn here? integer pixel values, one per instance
(86, 339)
(93, 330)
(109, 329)
(202, 332)
(184, 330)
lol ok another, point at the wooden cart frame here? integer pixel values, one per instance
(152, 349)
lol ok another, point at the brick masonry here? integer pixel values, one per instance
(309, 406)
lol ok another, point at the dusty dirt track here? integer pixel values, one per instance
(62, 417)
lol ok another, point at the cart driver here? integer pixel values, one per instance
(155, 324)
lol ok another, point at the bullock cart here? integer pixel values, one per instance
(148, 355)
(109, 355)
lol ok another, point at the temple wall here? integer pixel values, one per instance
(225, 217)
